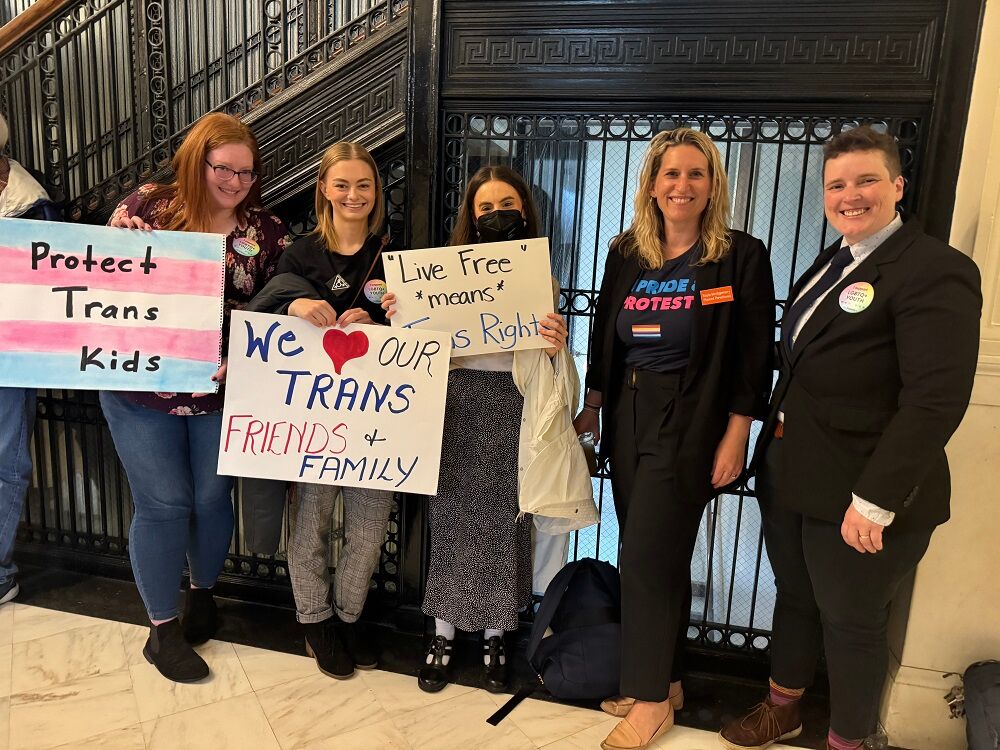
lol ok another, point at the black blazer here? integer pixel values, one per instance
(871, 398)
(731, 364)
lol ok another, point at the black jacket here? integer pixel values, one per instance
(731, 364)
(281, 291)
(871, 398)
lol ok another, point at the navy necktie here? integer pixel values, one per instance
(841, 260)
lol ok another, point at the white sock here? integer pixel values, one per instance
(441, 627)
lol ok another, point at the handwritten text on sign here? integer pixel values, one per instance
(490, 297)
(99, 308)
(360, 406)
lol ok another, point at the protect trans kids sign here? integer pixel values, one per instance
(87, 307)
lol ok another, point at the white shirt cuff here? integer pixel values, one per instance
(872, 512)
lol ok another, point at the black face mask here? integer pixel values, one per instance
(499, 226)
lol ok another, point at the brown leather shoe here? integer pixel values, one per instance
(764, 725)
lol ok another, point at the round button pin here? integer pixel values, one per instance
(857, 297)
(246, 246)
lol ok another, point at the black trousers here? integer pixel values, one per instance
(833, 597)
(658, 531)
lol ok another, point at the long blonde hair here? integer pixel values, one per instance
(345, 151)
(189, 208)
(646, 235)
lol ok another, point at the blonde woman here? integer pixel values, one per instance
(334, 277)
(680, 366)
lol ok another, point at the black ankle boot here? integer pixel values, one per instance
(323, 645)
(433, 676)
(173, 656)
(201, 616)
(358, 644)
(495, 671)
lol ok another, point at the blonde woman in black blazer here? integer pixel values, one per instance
(681, 363)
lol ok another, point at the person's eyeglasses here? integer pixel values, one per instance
(247, 176)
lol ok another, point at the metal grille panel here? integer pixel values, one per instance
(583, 169)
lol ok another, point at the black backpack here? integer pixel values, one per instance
(982, 705)
(581, 658)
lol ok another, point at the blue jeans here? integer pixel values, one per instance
(183, 508)
(17, 417)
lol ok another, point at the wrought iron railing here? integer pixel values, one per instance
(99, 96)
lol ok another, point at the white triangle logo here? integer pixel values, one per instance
(339, 284)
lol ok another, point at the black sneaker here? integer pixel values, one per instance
(8, 591)
(495, 670)
(358, 644)
(323, 645)
(201, 616)
(433, 676)
(173, 656)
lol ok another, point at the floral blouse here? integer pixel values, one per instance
(246, 275)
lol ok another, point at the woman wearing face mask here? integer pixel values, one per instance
(680, 366)
(334, 276)
(480, 570)
(169, 442)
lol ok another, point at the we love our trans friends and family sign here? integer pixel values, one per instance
(359, 406)
(87, 307)
(489, 297)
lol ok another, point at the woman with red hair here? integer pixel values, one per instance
(169, 442)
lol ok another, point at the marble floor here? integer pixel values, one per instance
(73, 681)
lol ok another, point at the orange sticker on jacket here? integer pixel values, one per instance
(717, 295)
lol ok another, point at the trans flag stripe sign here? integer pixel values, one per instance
(87, 307)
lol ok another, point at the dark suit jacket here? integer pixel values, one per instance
(872, 397)
(731, 365)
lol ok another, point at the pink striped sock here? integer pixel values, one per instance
(782, 696)
(835, 742)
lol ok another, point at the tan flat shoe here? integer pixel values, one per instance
(624, 736)
(619, 706)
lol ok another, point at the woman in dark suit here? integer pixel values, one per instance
(680, 366)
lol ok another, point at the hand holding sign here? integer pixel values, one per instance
(490, 297)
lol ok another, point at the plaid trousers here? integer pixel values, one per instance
(366, 516)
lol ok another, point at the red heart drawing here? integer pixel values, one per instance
(341, 347)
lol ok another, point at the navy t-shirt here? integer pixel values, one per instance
(655, 319)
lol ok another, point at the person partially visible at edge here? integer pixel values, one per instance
(334, 277)
(680, 365)
(878, 351)
(169, 442)
(510, 461)
(21, 196)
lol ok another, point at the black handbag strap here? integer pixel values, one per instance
(361, 286)
(513, 702)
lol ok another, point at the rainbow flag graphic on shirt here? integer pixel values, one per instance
(651, 331)
(99, 308)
